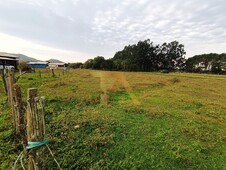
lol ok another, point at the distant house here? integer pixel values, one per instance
(57, 65)
(38, 64)
(8, 61)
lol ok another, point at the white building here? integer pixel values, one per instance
(57, 65)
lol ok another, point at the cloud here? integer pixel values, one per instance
(17, 45)
(102, 27)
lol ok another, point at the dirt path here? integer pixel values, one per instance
(113, 81)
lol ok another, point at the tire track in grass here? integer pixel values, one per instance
(113, 81)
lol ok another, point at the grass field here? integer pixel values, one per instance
(126, 120)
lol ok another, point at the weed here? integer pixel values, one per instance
(56, 84)
(174, 80)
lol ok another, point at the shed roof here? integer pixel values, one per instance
(38, 62)
(56, 63)
(7, 56)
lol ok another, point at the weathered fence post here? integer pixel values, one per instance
(10, 81)
(19, 114)
(40, 74)
(4, 81)
(35, 128)
(53, 74)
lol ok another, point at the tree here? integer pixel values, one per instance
(143, 56)
(172, 56)
(216, 67)
(88, 64)
(212, 62)
(98, 62)
(75, 65)
(108, 64)
(23, 66)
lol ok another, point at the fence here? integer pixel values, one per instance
(28, 122)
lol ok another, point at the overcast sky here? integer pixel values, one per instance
(75, 30)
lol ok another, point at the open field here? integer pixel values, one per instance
(127, 120)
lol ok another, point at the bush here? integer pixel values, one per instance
(23, 66)
(164, 71)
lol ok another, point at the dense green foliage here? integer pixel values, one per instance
(99, 63)
(75, 65)
(143, 56)
(215, 63)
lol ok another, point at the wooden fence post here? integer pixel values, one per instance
(53, 74)
(35, 128)
(10, 81)
(19, 114)
(3, 74)
(40, 74)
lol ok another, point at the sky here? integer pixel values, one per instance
(77, 30)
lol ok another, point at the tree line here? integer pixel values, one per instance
(143, 56)
(214, 63)
(147, 56)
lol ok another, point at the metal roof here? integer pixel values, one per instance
(7, 56)
(56, 63)
(38, 62)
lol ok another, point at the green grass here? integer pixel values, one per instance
(153, 120)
